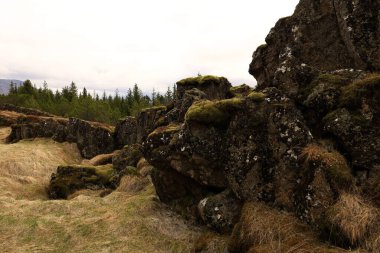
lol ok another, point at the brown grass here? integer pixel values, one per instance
(333, 163)
(133, 184)
(102, 159)
(26, 166)
(264, 229)
(123, 221)
(352, 218)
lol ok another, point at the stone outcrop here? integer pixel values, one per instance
(320, 36)
(147, 120)
(92, 138)
(307, 134)
(126, 132)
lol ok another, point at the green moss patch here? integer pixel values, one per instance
(213, 112)
(169, 129)
(352, 94)
(241, 90)
(256, 96)
(69, 179)
(200, 80)
(154, 108)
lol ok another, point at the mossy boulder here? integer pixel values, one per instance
(240, 90)
(367, 88)
(128, 156)
(213, 86)
(213, 112)
(70, 178)
(256, 96)
(357, 134)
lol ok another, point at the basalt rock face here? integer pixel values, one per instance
(297, 155)
(92, 138)
(320, 36)
(125, 132)
(247, 146)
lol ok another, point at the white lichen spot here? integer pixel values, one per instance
(349, 29)
(183, 149)
(303, 65)
(255, 158)
(308, 197)
(216, 209)
(203, 202)
(219, 216)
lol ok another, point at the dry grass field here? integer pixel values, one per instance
(123, 221)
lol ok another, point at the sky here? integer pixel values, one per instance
(113, 44)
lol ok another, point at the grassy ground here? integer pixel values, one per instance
(120, 222)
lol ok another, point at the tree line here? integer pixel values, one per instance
(70, 102)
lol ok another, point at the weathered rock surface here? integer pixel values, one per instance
(147, 121)
(322, 35)
(126, 132)
(92, 138)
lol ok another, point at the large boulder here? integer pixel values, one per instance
(322, 35)
(69, 179)
(213, 86)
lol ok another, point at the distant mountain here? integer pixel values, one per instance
(4, 85)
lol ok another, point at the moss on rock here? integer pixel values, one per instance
(256, 96)
(200, 80)
(241, 90)
(70, 178)
(165, 129)
(213, 112)
(352, 94)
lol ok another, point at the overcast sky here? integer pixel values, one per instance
(109, 44)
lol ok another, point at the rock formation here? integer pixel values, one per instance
(303, 147)
(307, 136)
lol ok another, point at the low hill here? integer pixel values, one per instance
(4, 85)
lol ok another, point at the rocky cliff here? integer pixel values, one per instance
(294, 160)
(306, 141)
